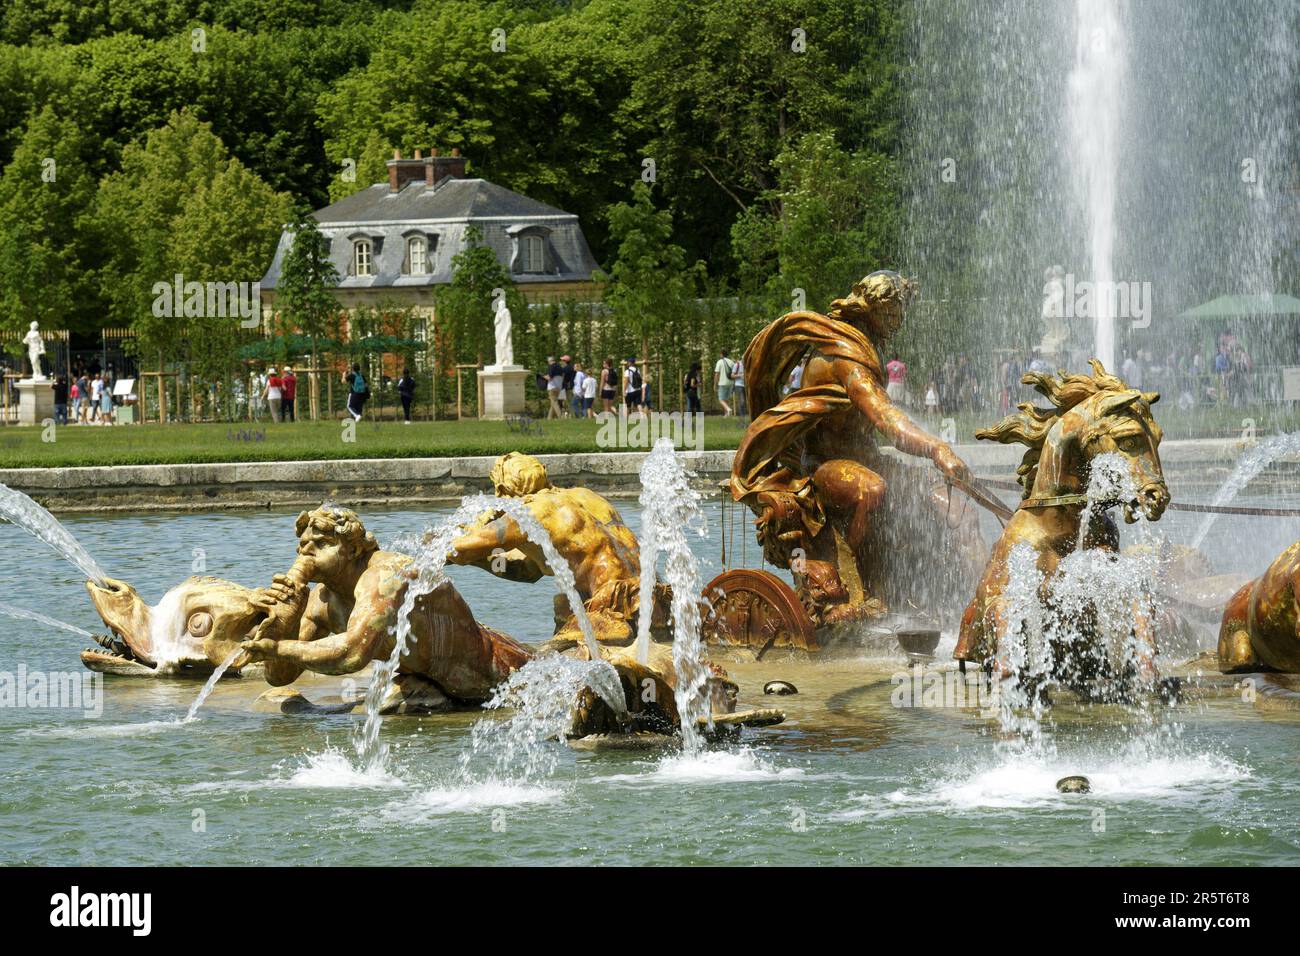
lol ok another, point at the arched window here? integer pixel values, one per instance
(361, 257)
(417, 256)
(533, 256)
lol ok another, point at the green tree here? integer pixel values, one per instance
(649, 280)
(727, 85)
(225, 233)
(541, 112)
(307, 279)
(837, 219)
(181, 204)
(46, 257)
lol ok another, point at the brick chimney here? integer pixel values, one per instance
(429, 169)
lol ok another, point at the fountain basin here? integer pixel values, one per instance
(918, 643)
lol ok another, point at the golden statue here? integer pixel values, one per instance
(350, 617)
(586, 530)
(802, 465)
(1089, 415)
(1261, 624)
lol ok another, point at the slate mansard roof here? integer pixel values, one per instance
(442, 213)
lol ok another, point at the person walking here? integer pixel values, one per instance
(738, 387)
(288, 392)
(589, 396)
(566, 388)
(896, 388)
(406, 392)
(554, 387)
(83, 398)
(631, 387)
(691, 388)
(576, 391)
(96, 391)
(74, 394)
(60, 400)
(722, 382)
(647, 404)
(358, 392)
(607, 390)
(274, 393)
(106, 405)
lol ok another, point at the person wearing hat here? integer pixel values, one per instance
(288, 394)
(273, 392)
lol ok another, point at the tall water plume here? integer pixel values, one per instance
(1129, 141)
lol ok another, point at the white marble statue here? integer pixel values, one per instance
(1052, 313)
(505, 348)
(35, 349)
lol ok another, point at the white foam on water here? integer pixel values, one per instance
(743, 765)
(468, 798)
(329, 770)
(332, 769)
(97, 728)
(1026, 780)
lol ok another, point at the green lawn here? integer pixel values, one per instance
(166, 444)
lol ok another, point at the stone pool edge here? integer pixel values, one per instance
(387, 482)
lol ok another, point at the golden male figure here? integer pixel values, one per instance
(350, 618)
(586, 530)
(801, 466)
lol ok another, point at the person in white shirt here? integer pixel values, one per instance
(589, 384)
(577, 398)
(96, 391)
(273, 394)
(722, 382)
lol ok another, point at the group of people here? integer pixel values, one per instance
(954, 388)
(87, 400)
(1226, 376)
(279, 392)
(728, 380)
(572, 390)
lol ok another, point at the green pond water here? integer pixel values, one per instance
(849, 778)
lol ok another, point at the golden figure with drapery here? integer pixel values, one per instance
(807, 466)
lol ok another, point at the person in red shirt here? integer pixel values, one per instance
(288, 392)
(897, 387)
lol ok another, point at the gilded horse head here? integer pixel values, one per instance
(1089, 415)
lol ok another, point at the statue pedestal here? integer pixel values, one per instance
(503, 390)
(35, 401)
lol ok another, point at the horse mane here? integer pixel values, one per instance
(1031, 424)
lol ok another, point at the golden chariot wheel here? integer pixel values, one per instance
(755, 609)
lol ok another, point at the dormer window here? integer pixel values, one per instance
(532, 254)
(361, 257)
(417, 256)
